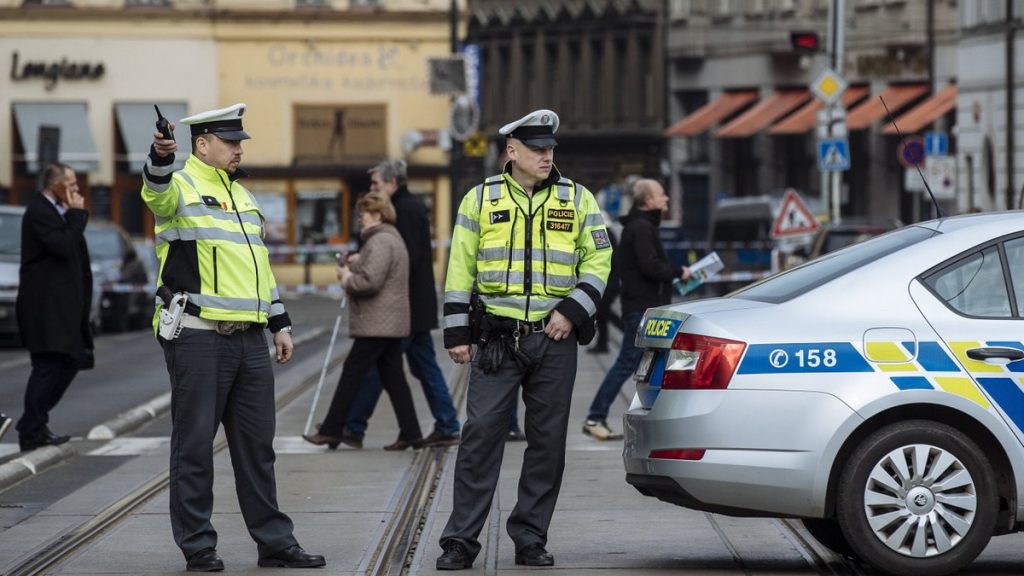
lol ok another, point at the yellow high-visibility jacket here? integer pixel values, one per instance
(526, 256)
(209, 240)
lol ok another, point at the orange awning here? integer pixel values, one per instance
(711, 113)
(804, 119)
(926, 112)
(763, 114)
(871, 110)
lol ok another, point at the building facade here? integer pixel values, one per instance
(742, 120)
(332, 87)
(991, 105)
(598, 63)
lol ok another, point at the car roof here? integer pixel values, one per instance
(1007, 218)
(7, 209)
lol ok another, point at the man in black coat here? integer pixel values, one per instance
(647, 277)
(54, 294)
(414, 226)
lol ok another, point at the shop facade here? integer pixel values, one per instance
(329, 93)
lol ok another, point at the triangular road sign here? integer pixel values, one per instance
(794, 218)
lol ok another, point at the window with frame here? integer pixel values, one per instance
(974, 285)
(1015, 262)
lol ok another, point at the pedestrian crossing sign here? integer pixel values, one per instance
(833, 154)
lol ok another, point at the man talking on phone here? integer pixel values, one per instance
(54, 293)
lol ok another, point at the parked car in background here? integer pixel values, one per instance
(10, 262)
(125, 300)
(832, 237)
(740, 231)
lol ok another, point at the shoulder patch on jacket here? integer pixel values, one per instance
(601, 241)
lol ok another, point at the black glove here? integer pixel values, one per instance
(491, 354)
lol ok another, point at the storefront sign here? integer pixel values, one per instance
(327, 134)
(52, 72)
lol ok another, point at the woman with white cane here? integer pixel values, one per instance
(378, 285)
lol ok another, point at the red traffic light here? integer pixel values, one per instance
(804, 41)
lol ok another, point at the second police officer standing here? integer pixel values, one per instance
(534, 246)
(209, 239)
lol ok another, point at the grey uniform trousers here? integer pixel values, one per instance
(547, 392)
(223, 379)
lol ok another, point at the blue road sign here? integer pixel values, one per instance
(833, 154)
(936, 144)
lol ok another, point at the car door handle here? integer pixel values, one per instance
(984, 354)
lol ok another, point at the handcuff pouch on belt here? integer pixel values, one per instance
(499, 336)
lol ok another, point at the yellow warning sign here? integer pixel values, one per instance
(475, 146)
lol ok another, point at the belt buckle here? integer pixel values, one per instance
(227, 328)
(538, 326)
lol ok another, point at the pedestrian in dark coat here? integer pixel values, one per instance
(54, 294)
(647, 277)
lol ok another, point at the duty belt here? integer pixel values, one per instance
(513, 326)
(222, 327)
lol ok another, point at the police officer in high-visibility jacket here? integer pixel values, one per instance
(209, 239)
(533, 246)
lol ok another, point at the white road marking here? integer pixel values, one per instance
(131, 447)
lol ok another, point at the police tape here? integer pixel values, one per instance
(303, 249)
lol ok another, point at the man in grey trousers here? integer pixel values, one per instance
(534, 247)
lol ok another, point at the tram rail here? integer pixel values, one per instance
(390, 556)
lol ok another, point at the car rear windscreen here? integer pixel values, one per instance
(799, 280)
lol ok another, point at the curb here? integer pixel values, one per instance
(32, 463)
(42, 458)
(131, 419)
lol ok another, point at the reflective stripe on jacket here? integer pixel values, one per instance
(526, 256)
(209, 240)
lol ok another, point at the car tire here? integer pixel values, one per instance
(827, 532)
(910, 522)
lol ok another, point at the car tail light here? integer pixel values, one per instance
(701, 362)
(678, 454)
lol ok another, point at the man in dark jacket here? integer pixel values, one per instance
(54, 294)
(413, 224)
(646, 276)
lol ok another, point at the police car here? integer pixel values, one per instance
(876, 392)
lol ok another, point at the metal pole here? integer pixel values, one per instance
(1011, 164)
(455, 154)
(838, 40)
(323, 371)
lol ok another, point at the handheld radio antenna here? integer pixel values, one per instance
(935, 203)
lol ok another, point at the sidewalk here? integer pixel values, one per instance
(340, 502)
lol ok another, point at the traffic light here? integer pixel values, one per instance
(805, 42)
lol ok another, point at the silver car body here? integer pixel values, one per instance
(871, 344)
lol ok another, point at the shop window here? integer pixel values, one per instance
(46, 3)
(317, 219)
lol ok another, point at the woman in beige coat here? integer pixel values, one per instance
(377, 284)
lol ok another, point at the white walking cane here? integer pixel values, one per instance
(327, 360)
